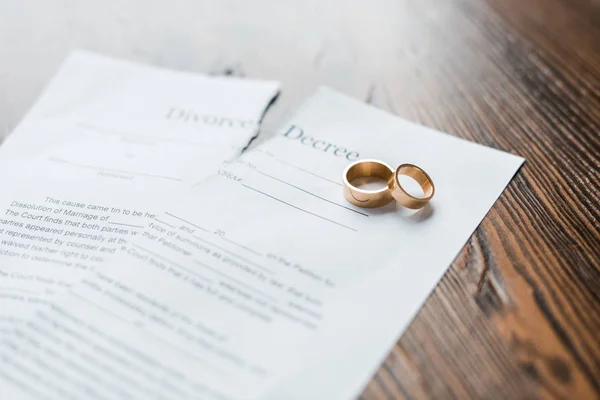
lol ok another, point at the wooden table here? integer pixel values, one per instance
(518, 313)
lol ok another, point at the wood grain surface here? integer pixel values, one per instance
(517, 315)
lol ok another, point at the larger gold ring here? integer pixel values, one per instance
(402, 196)
(368, 198)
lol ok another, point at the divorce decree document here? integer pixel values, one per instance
(107, 142)
(262, 282)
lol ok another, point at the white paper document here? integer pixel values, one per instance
(262, 282)
(93, 161)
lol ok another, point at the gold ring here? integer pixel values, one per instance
(368, 198)
(402, 196)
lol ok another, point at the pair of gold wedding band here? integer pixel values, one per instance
(394, 189)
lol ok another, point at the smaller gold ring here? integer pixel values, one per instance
(422, 178)
(368, 198)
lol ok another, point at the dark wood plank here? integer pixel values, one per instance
(518, 313)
